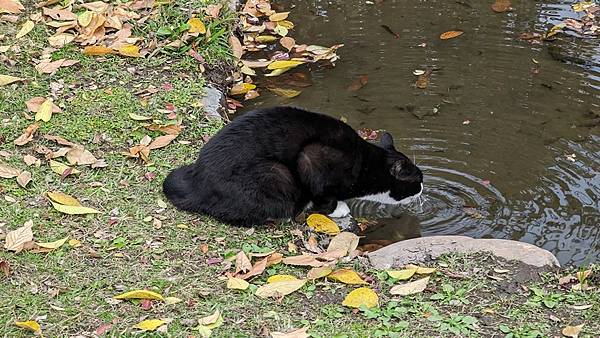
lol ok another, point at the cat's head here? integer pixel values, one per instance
(407, 182)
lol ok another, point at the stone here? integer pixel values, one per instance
(214, 103)
(423, 249)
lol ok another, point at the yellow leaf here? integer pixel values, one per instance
(130, 50)
(279, 289)
(85, 18)
(53, 245)
(63, 198)
(237, 283)
(31, 325)
(266, 38)
(286, 24)
(44, 113)
(26, 28)
(281, 30)
(421, 270)
(319, 272)
(60, 168)
(97, 50)
(241, 88)
(279, 16)
(410, 288)
(572, 331)
(74, 210)
(196, 26)
(361, 296)
(140, 294)
(137, 117)
(212, 321)
(450, 34)
(280, 278)
(149, 324)
(172, 300)
(347, 276)
(289, 93)
(322, 223)
(279, 64)
(74, 243)
(7, 79)
(278, 72)
(401, 274)
(581, 6)
(345, 242)
(17, 238)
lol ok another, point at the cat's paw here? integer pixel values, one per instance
(341, 210)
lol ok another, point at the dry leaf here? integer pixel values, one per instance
(62, 169)
(5, 268)
(450, 34)
(213, 10)
(278, 16)
(241, 88)
(257, 269)
(31, 325)
(140, 294)
(74, 210)
(16, 239)
(27, 135)
(24, 178)
(303, 260)
(284, 64)
(49, 67)
(212, 320)
(53, 245)
(8, 172)
(97, 50)
(7, 79)
(572, 331)
(344, 241)
(280, 278)
(288, 93)
(421, 270)
(347, 276)
(33, 105)
(361, 296)
(287, 42)
(501, 6)
(149, 324)
(299, 333)
(404, 274)
(423, 79)
(237, 283)
(129, 50)
(279, 289)
(410, 288)
(45, 111)
(236, 47)
(161, 141)
(316, 273)
(60, 39)
(358, 83)
(196, 26)
(63, 198)
(242, 263)
(322, 223)
(25, 29)
(11, 6)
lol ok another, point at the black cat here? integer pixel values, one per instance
(272, 163)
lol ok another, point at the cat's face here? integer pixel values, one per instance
(407, 183)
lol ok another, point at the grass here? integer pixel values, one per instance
(137, 243)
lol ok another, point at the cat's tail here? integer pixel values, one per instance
(179, 188)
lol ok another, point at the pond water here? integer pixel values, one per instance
(506, 131)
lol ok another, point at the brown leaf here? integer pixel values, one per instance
(79, 155)
(274, 258)
(358, 83)
(572, 331)
(287, 42)
(16, 239)
(11, 6)
(30, 160)
(257, 269)
(303, 260)
(98, 50)
(5, 268)
(501, 6)
(299, 333)
(24, 178)
(59, 14)
(49, 67)
(450, 34)
(213, 10)
(161, 141)
(8, 172)
(423, 79)
(242, 263)
(27, 135)
(60, 140)
(33, 105)
(236, 47)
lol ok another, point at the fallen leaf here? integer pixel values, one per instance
(401, 274)
(97, 50)
(358, 83)
(45, 111)
(130, 50)
(149, 324)
(299, 333)
(11, 6)
(347, 276)
(213, 10)
(79, 155)
(241, 88)
(288, 93)
(140, 294)
(572, 331)
(421, 270)
(25, 29)
(423, 79)
(212, 321)
(256, 270)
(31, 325)
(16, 239)
(196, 26)
(31, 160)
(33, 105)
(236, 47)
(361, 296)
(172, 300)
(450, 34)
(322, 223)
(242, 263)
(53, 245)
(303, 260)
(24, 178)
(320, 272)
(237, 283)
(287, 42)
(284, 64)
(8, 172)
(63, 198)
(582, 307)
(279, 289)
(137, 117)
(74, 243)
(501, 6)
(74, 210)
(49, 67)
(60, 39)
(280, 278)
(410, 288)
(62, 169)
(161, 141)
(7, 79)
(5, 268)
(344, 241)
(278, 16)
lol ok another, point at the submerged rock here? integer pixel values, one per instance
(424, 249)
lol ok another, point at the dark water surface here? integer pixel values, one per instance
(509, 151)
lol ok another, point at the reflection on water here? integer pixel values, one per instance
(507, 130)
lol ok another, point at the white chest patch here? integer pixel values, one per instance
(385, 198)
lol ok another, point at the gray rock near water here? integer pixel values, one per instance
(214, 103)
(423, 249)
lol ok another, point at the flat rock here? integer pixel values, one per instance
(418, 250)
(214, 103)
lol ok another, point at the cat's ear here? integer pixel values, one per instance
(387, 142)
